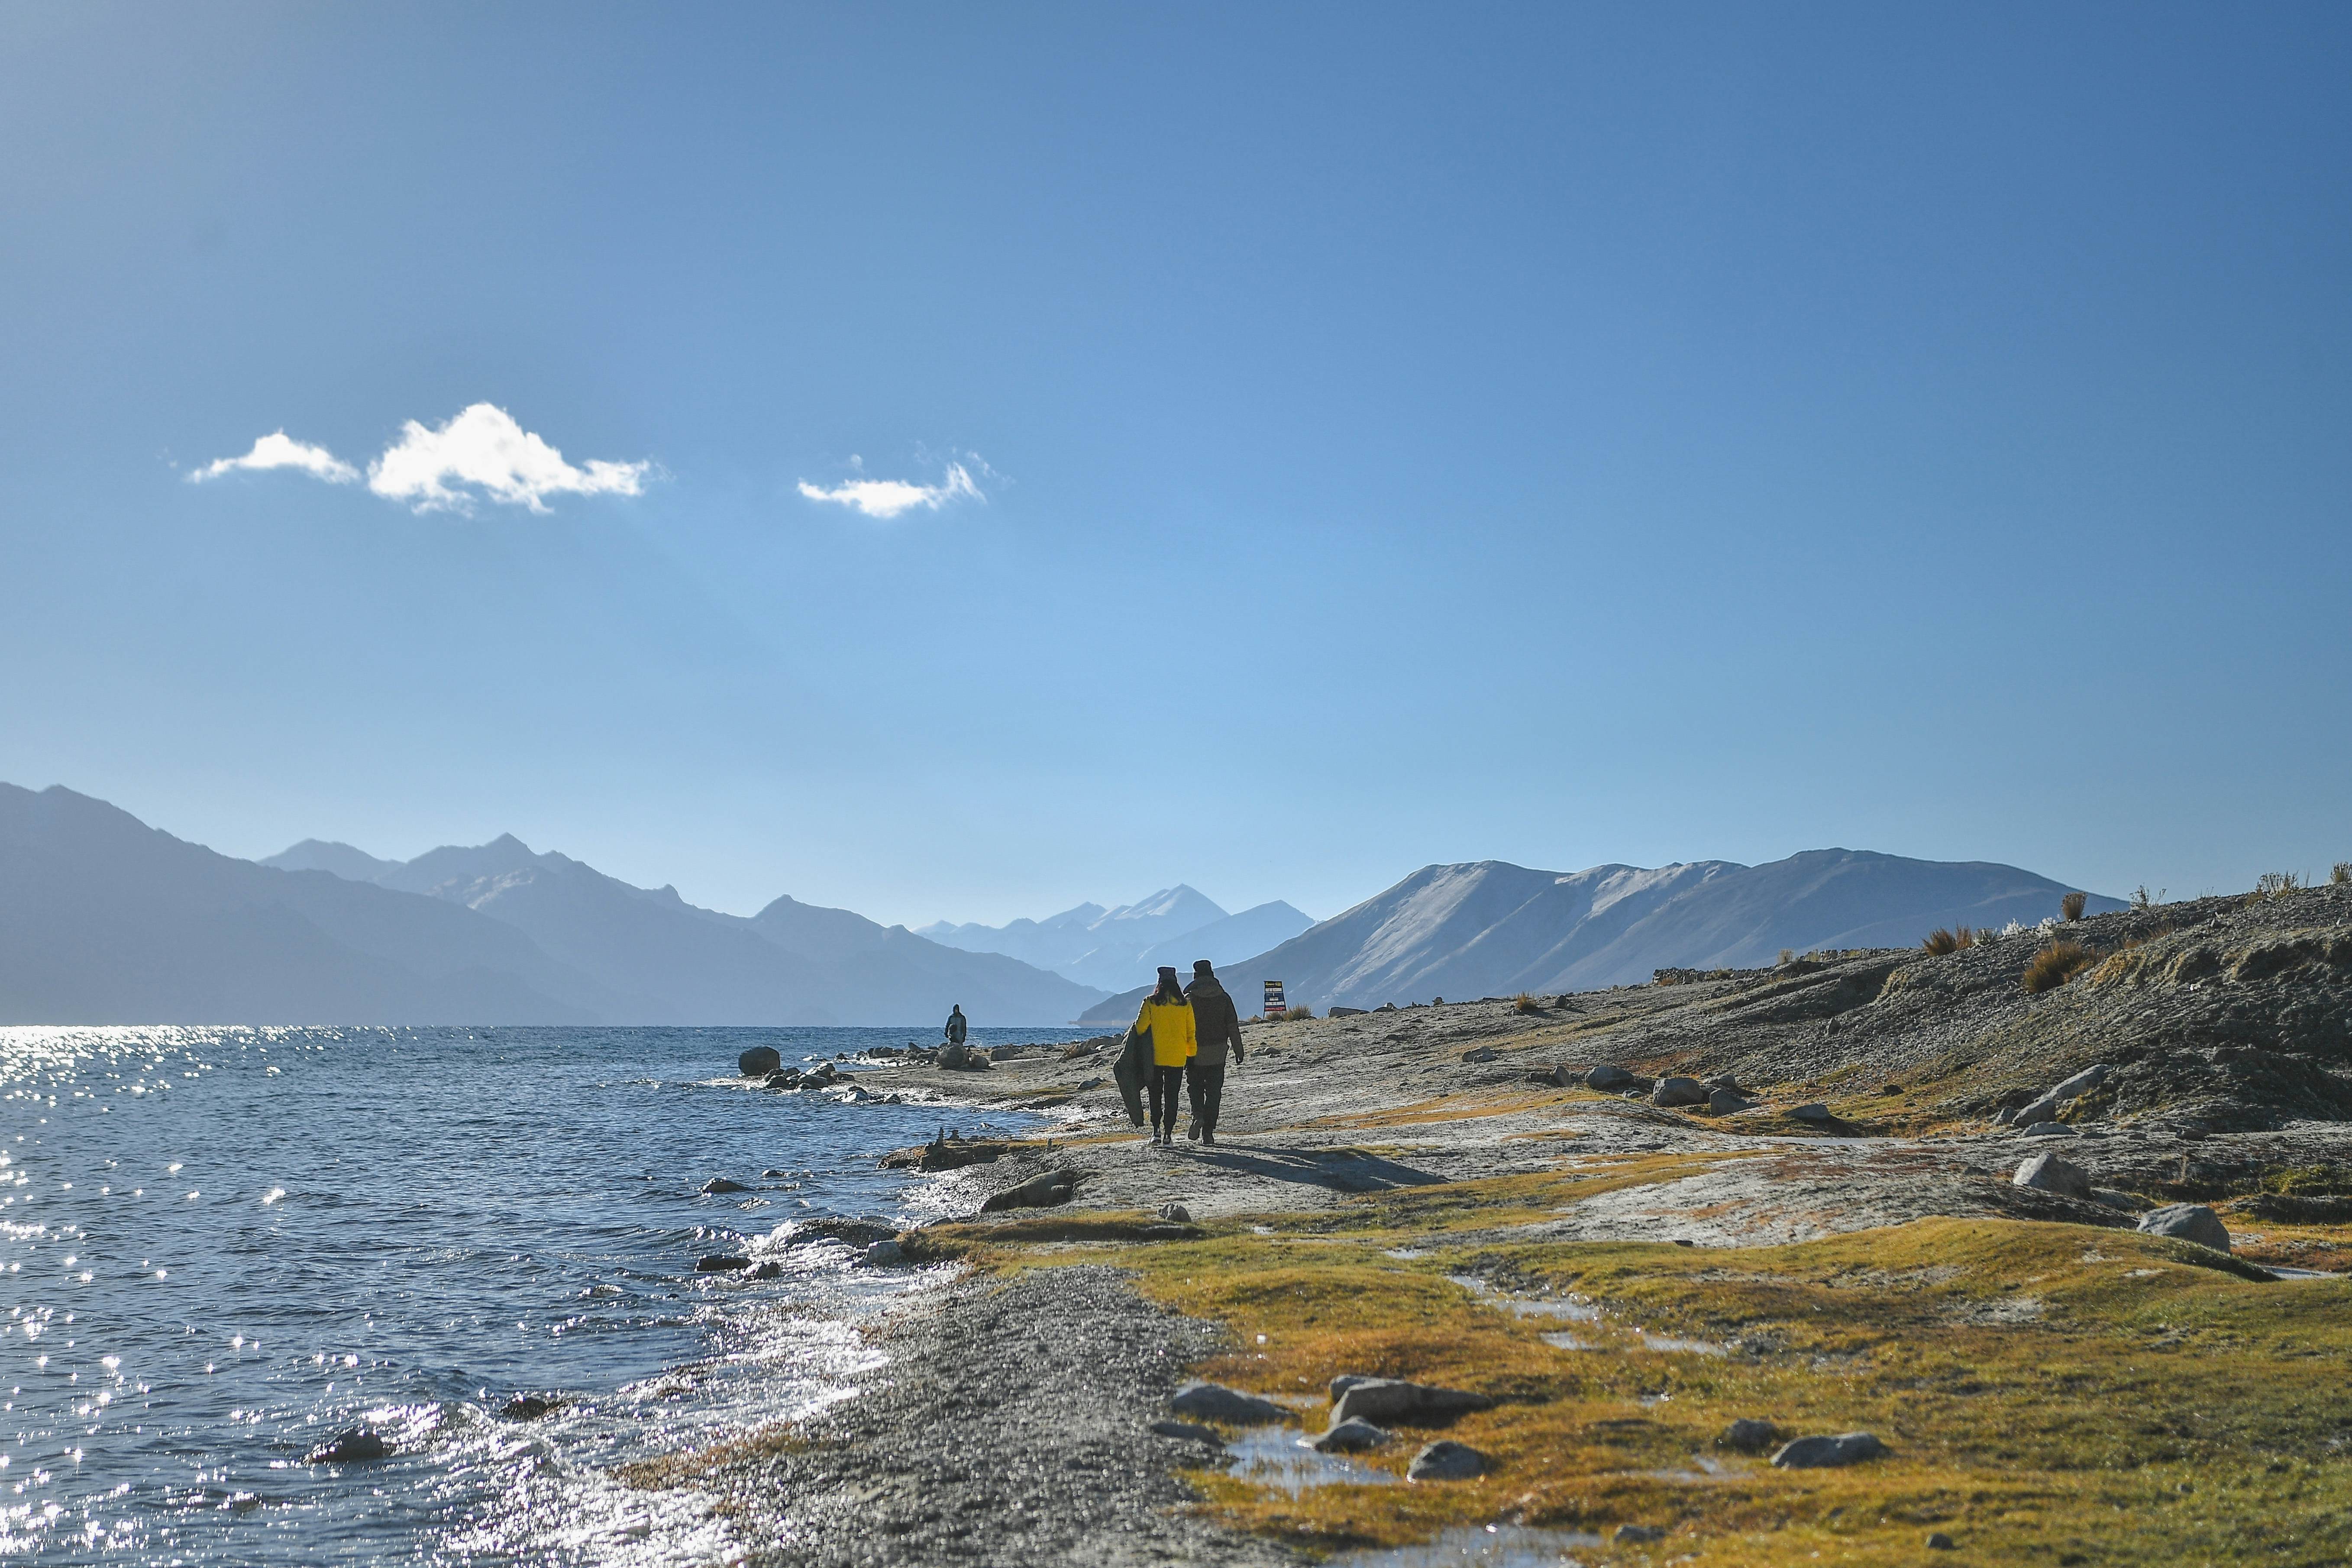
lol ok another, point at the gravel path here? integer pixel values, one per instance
(1011, 1428)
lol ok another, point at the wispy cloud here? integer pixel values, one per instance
(279, 450)
(888, 497)
(480, 451)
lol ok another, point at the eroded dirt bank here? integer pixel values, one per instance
(1433, 1193)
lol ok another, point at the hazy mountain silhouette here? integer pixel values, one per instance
(1120, 947)
(104, 920)
(318, 855)
(1489, 929)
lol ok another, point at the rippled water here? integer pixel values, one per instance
(219, 1246)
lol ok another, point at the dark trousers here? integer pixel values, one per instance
(1164, 1082)
(1207, 1087)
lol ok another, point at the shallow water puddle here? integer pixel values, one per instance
(1494, 1545)
(1578, 1311)
(1278, 1456)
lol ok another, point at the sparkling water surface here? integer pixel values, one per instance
(219, 1247)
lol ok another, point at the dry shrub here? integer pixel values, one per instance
(2070, 908)
(1524, 1003)
(1297, 1015)
(2056, 964)
(2274, 883)
(1941, 941)
(1079, 1048)
(2342, 874)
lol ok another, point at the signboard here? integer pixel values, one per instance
(1274, 1006)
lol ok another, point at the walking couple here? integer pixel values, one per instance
(1181, 1037)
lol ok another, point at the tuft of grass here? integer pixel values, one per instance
(1788, 956)
(2142, 898)
(2276, 883)
(2070, 908)
(2056, 964)
(2342, 874)
(1942, 941)
(1523, 1003)
(1297, 1014)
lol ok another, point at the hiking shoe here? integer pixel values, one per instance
(1193, 1133)
(1208, 1137)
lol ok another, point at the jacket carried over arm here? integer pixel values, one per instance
(1170, 1024)
(1215, 1023)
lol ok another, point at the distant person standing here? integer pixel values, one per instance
(956, 1025)
(1166, 1020)
(1215, 1025)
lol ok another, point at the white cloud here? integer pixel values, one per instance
(279, 450)
(483, 446)
(888, 497)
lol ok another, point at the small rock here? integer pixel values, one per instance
(1748, 1437)
(1345, 1012)
(1678, 1091)
(721, 1184)
(1394, 1399)
(884, 1254)
(1351, 1438)
(1346, 1381)
(1725, 1101)
(2188, 1222)
(349, 1447)
(1446, 1461)
(720, 1263)
(2048, 1130)
(1817, 1453)
(1481, 1054)
(1610, 1079)
(1637, 1534)
(526, 1408)
(1176, 1212)
(1938, 1542)
(771, 1172)
(1812, 1110)
(1187, 1432)
(2110, 1198)
(1095, 1083)
(1038, 1192)
(759, 1061)
(1214, 1402)
(767, 1269)
(2052, 1172)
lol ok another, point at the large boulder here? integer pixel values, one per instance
(1679, 1091)
(1611, 1080)
(2050, 1172)
(1727, 1102)
(1388, 1399)
(1816, 1453)
(759, 1061)
(2188, 1222)
(1446, 1461)
(2046, 1109)
(1215, 1402)
(1038, 1192)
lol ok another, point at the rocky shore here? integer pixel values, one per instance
(2060, 1255)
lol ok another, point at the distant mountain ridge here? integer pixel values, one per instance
(1488, 928)
(1119, 947)
(104, 920)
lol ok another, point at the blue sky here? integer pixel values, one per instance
(1387, 436)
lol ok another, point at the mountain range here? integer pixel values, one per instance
(104, 920)
(1489, 928)
(1114, 949)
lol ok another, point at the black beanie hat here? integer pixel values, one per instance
(1200, 966)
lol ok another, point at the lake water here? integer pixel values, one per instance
(219, 1247)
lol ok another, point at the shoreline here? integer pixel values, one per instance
(1431, 1195)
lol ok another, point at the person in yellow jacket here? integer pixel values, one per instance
(1166, 1020)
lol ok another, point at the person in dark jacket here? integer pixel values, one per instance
(1215, 1025)
(956, 1025)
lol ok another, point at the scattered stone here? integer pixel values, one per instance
(1637, 1534)
(1351, 1438)
(1481, 1054)
(1214, 1402)
(718, 1184)
(720, 1263)
(1393, 1399)
(1345, 1012)
(1187, 1432)
(1176, 1212)
(1346, 1381)
(349, 1447)
(1726, 1102)
(2053, 1172)
(2048, 1130)
(1446, 1461)
(2112, 1199)
(1678, 1091)
(1038, 1192)
(1748, 1437)
(527, 1407)
(768, 1269)
(885, 1254)
(2046, 1109)
(783, 1078)
(1817, 1453)
(1612, 1079)
(1007, 1053)
(2188, 1222)
(1812, 1110)
(1938, 1542)
(759, 1061)
(1095, 1083)
(771, 1172)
